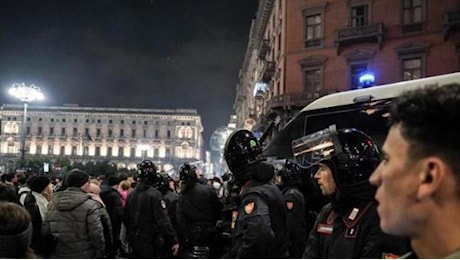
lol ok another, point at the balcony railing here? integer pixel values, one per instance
(359, 34)
(268, 71)
(451, 22)
(299, 99)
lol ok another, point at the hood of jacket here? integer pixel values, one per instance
(70, 198)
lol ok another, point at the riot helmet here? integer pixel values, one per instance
(241, 149)
(147, 172)
(187, 173)
(163, 184)
(290, 174)
(351, 154)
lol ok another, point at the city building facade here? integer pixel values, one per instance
(123, 136)
(300, 50)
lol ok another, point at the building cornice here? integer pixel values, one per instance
(79, 109)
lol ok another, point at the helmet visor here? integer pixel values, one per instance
(311, 149)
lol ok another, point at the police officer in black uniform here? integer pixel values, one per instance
(146, 217)
(171, 197)
(348, 226)
(261, 226)
(198, 211)
(290, 183)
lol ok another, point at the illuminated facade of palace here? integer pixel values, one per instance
(124, 136)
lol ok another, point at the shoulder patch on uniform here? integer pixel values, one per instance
(249, 207)
(289, 205)
(389, 256)
(163, 204)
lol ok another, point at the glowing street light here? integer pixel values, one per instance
(25, 94)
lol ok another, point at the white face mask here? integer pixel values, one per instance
(216, 185)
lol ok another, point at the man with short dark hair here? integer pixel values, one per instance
(418, 180)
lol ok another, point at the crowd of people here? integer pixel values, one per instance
(400, 200)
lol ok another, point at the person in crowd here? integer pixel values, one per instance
(11, 180)
(15, 231)
(57, 183)
(133, 181)
(198, 210)
(289, 182)
(94, 191)
(202, 179)
(21, 180)
(348, 226)
(113, 203)
(216, 184)
(95, 181)
(418, 180)
(124, 188)
(170, 196)
(74, 221)
(261, 229)
(8, 193)
(36, 203)
(23, 191)
(146, 218)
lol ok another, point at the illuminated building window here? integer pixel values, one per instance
(412, 57)
(185, 133)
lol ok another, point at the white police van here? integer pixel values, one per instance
(363, 109)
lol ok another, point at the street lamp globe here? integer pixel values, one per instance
(25, 94)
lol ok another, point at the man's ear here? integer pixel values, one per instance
(431, 176)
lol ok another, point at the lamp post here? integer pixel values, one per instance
(25, 94)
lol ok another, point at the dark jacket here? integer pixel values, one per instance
(112, 200)
(198, 210)
(171, 199)
(261, 229)
(147, 222)
(107, 226)
(352, 234)
(295, 209)
(74, 221)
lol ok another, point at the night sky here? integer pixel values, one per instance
(128, 53)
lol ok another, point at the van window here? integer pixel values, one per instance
(369, 117)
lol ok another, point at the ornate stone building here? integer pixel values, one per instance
(123, 136)
(300, 50)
